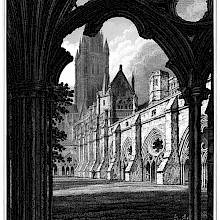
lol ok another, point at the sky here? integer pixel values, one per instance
(125, 43)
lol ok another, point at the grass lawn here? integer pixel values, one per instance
(68, 183)
(160, 205)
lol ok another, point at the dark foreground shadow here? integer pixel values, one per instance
(153, 205)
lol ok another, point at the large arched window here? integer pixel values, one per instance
(152, 154)
(153, 172)
(67, 171)
(186, 172)
(55, 170)
(153, 144)
(148, 172)
(184, 157)
(72, 171)
(63, 171)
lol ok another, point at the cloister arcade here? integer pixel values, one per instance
(66, 171)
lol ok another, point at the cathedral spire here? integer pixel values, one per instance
(80, 45)
(105, 81)
(106, 47)
(133, 82)
(84, 42)
(120, 68)
(135, 98)
(77, 54)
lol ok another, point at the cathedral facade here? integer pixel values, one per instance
(116, 139)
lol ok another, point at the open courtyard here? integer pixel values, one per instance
(78, 198)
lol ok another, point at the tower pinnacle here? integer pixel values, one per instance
(133, 82)
(105, 81)
(120, 67)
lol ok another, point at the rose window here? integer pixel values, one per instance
(158, 145)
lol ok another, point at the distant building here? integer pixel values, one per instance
(110, 136)
(116, 139)
(116, 99)
(159, 86)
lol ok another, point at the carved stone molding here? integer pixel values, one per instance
(195, 95)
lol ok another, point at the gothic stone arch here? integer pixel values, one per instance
(151, 154)
(184, 157)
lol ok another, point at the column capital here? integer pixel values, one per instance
(194, 95)
(29, 89)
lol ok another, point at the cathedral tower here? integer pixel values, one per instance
(159, 87)
(91, 64)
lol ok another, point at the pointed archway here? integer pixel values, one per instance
(152, 150)
(153, 172)
(148, 172)
(63, 171)
(184, 155)
(186, 173)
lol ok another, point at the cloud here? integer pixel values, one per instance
(123, 49)
(71, 47)
(68, 74)
(150, 57)
(121, 38)
(124, 43)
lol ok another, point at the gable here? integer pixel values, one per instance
(120, 86)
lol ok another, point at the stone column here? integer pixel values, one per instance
(85, 154)
(105, 156)
(183, 173)
(195, 97)
(79, 153)
(118, 153)
(83, 150)
(210, 158)
(59, 170)
(30, 170)
(82, 156)
(10, 137)
(88, 148)
(97, 147)
(203, 174)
